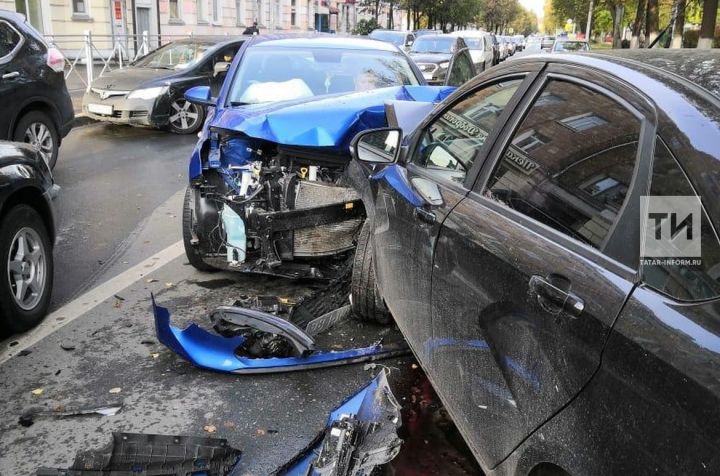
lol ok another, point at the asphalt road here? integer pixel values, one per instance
(118, 241)
(112, 179)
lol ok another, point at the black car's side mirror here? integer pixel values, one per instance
(377, 146)
(221, 67)
(200, 95)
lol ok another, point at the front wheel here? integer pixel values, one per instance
(367, 304)
(192, 250)
(185, 117)
(27, 269)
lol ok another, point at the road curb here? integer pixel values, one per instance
(82, 120)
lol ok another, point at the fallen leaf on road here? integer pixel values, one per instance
(155, 355)
(169, 285)
(115, 390)
(151, 280)
(413, 366)
(210, 428)
(229, 424)
(38, 391)
(260, 432)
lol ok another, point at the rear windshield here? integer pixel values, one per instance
(431, 44)
(395, 38)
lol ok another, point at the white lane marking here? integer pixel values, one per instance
(76, 308)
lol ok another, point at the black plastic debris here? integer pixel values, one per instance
(134, 454)
(65, 411)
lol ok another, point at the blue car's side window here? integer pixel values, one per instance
(450, 144)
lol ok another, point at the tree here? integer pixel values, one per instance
(652, 21)
(677, 34)
(707, 27)
(524, 23)
(638, 24)
(365, 27)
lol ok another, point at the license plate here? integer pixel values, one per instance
(104, 109)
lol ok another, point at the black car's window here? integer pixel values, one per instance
(450, 144)
(570, 162)
(9, 39)
(684, 279)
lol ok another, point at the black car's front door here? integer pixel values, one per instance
(447, 153)
(527, 277)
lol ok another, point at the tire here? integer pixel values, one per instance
(192, 252)
(185, 117)
(23, 224)
(367, 304)
(37, 128)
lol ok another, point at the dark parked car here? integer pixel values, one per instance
(150, 91)
(401, 39)
(509, 254)
(27, 234)
(36, 105)
(432, 54)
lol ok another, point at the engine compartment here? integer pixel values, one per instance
(262, 207)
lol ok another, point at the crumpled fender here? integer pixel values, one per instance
(215, 352)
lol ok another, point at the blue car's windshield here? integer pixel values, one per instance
(268, 74)
(396, 38)
(433, 44)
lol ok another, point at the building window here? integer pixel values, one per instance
(79, 7)
(293, 12)
(583, 122)
(174, 9)
(529, 140)
(240, 7)
(216, 11)
(201, 11)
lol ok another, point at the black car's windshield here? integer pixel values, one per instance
(178, 55)
(397, 39)
(433, 44)
(270, 74)
(571, 46)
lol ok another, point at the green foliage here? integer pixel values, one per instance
(365, 27)
(524, 23)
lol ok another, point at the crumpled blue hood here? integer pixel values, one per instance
(331, 121)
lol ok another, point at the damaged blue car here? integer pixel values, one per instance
(269, 190)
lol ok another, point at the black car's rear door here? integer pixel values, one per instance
(15, 79)
(443, 164)
(527, 277)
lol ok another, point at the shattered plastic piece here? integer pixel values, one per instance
(215, 352)
(38, 391)
(115, 390)
(360, 435)
(133, 454)
(29, 416)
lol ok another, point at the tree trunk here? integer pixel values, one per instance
(390, 17)
(637, 26)
(652, 22)
(679, 25)
(707, 27)
(409, 27)
(617, 25)
(588, 28)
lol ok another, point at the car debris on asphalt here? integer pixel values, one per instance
(360, 435)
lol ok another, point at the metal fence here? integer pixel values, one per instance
(99, 54)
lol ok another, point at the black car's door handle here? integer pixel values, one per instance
(552, 295)
(11, 75)
(424, 215)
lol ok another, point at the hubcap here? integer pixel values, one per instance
(26, 268)
(184, 114)
(39, 135)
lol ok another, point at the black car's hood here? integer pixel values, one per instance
(430, 57)
(131, 78)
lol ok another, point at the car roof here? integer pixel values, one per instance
(213, 40)
(437, 37)
(319, 40)
(469, 33)
(700, 67)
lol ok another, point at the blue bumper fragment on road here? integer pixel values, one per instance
(214, 352)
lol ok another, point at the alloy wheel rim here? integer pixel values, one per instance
(184, 114)
(27, 268)
(38, 134)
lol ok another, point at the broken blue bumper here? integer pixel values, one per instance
(214, 352)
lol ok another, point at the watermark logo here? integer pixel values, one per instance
(671, 230)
